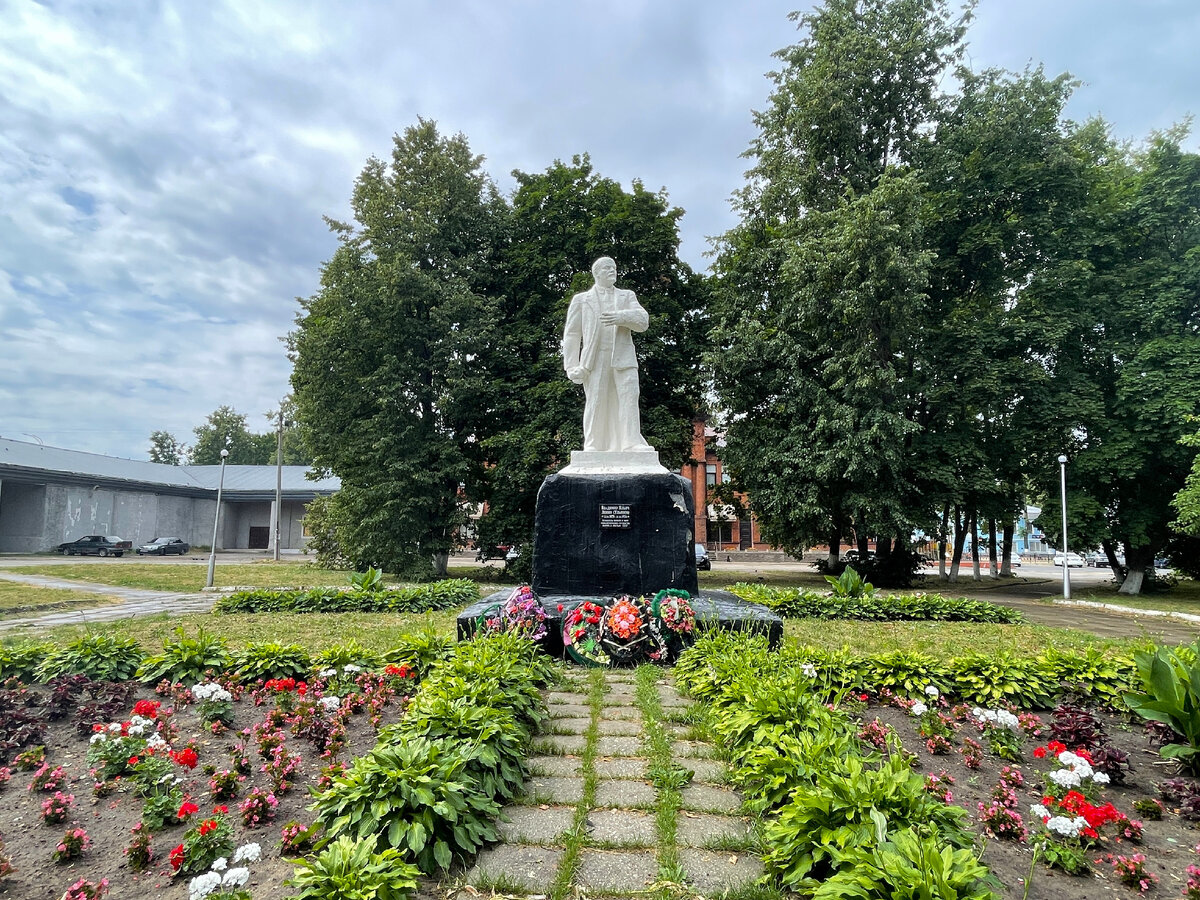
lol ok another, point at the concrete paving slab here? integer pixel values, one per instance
(707, 798)
(521, 865)
(700, 829)
(569, 725)
(615, 870)
(625, 827)
(571, 698)
(554, 789)
(712, 872)
(625, 793)
(627, 713)
(711, 771)
(619, 727)
(551, 744)
(621, 767)
(619, 746)
(554, 765)
(534, 825)
(568, 711)
(693, 748)
(619, 689)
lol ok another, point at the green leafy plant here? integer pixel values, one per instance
(350, 869)
(447, 594)
(341, 655)
(911, 865)
(992, 679)
(1171, 694)
(370, 580)
(203, 844)
(414, 796)
(21, 660)
(420, 651)
(264, 660)
(101, 657)
(850, 584)
(185, 659)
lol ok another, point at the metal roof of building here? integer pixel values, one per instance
(28, 460)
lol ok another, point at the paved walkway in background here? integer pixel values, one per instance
(622, 846)
(134, 602)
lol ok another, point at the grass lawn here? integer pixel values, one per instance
(1183, 597)
(18, 599)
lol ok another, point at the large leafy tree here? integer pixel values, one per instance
(529, 415)
(387, 352)
(1187, 501)
(167, 449)
(1125, 360)
(226, 428)
(823, 282)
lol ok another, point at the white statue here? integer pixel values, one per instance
(598, 353)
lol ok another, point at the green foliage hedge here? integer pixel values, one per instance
(447, 594)
(433, 785)
(793, 603)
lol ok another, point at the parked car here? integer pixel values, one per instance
(513, 554)
(852, 556)
(95, 545)
(1074, 560)
(702, 560)
(1015, 560)
(164, 546)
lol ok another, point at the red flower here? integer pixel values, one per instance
(560, 607)
(220, 809)
(864, 697)
(302, 689)
(177, 858)
(1056, 747)
(133, 760)
(187, 809)
(208, 825)
(97, 728)
(147, 709)
(1039, 753)
(187, 757)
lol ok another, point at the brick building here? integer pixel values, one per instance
(717, 526)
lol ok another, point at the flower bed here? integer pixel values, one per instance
(186, 790)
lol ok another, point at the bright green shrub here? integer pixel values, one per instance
(264, 660)
(1170, 693)
(100, 657)
(793, 603)
(447, 594)
(352, 870)
(993, 678)
(340, 655)
(21, 660)
(420, 651)
(185, 659)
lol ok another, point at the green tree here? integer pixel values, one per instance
(1187, 501)
(387, 353)
(226, 428)
(530, 415)
(165, 448)
(822, 284)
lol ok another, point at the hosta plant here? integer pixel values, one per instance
(1171, 695)
(100, 657)
(264, 660)
(350, 868)
(186, 659)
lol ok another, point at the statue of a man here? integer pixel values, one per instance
(598, 353)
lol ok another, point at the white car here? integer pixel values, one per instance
(1074, 560)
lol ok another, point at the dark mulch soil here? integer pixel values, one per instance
(108, 820)
(1168, 843)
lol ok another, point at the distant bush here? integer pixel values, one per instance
(448, 594)
(793, 603)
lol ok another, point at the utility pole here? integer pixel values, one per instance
(278, 479)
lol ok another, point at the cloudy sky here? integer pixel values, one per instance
(165, 164)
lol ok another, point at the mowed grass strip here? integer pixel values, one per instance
(314, 632)
(189, 577)
(19, 599)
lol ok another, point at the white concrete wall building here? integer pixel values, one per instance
(49, 495)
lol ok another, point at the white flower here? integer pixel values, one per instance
(1039, 811)
(1064, 826)
(203, 885)
(1065, 777)
(979, 712)
(931, 691)
(136, 730)
(114, 728)
(247, 853)
(330, 702)
(220, 864)
(808, 670)
(327, 673)
(156, 742)
(139, 722)
(1100, 778)
(1007, 720)
(235, 877)
(97, 738)
(351, 667)
(919, 709)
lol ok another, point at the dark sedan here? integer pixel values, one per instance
(164, 546)
(95, 545)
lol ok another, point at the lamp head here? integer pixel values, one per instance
(225, 453)
(1062, 460)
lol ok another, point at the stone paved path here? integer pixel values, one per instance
(592, 820)
(134, 602)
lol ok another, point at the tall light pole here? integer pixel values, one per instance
(1062, 462)
(278, 479)
(212, 554)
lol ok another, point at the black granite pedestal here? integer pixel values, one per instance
(610, 534)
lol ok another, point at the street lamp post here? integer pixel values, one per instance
(212, 554)
(1062, 462)
(278, 480)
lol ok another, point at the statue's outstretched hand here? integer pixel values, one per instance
(576, 373)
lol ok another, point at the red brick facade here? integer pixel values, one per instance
(714, 530)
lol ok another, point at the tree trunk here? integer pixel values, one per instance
(941, 544)
(862, 538)
(975, 544)
(440, 561)
(883, 546)
(835, 547)
(1138, 560)
(960, 541)
(1110, 552)
(1006, 560)
(992, 563)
